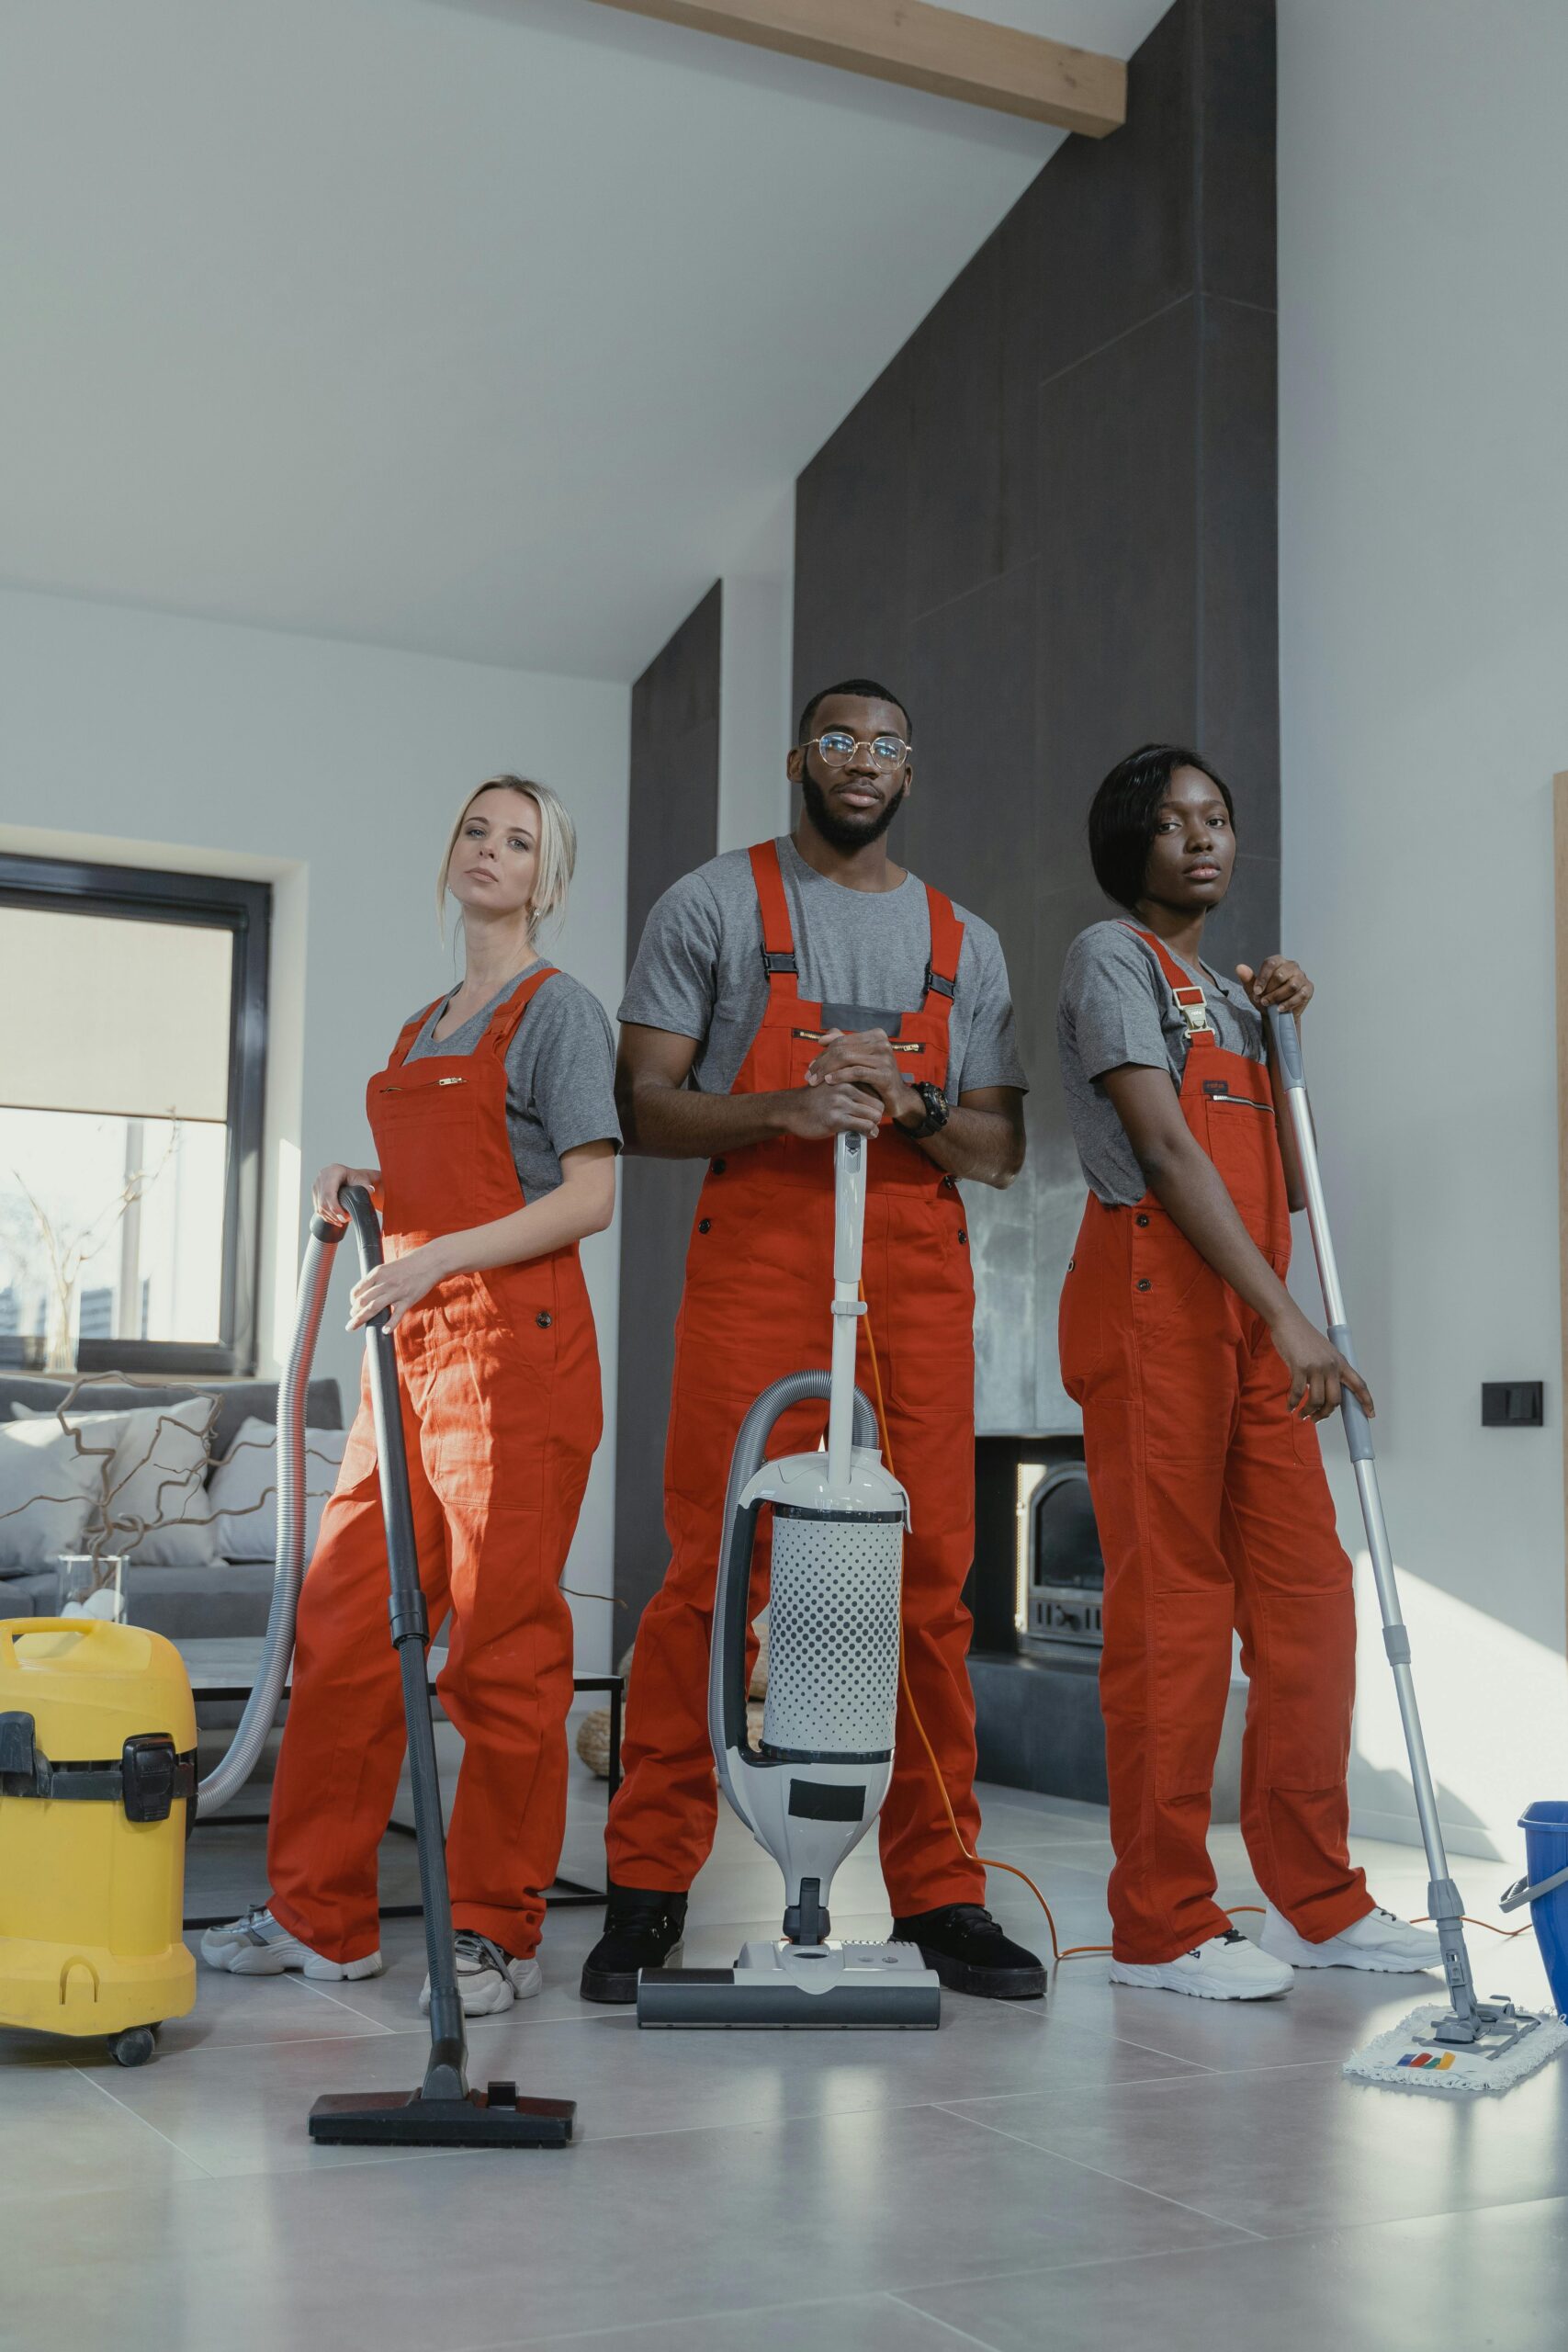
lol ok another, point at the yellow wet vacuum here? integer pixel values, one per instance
(97, 1775)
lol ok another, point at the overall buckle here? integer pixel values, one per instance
(1194, 1007)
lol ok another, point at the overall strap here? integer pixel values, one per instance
(507, 1018)
(947, 946)
(778, 939)
(410, 1031)
(1190, 1003)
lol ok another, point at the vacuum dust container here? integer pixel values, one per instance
(97, 1777)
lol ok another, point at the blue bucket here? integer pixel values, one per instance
(1545, 1826)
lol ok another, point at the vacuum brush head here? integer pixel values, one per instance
(493, 2118)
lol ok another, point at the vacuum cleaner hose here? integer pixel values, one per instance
(229, 1775)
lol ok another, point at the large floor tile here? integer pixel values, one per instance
(58, 2131)
(1495, 2279)
(1325, 2015)
(241, 2109)
(863, 2324)
(244, 2109)
(470, 2250)
(1299, 2148)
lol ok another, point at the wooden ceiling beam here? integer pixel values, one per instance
(924, 48)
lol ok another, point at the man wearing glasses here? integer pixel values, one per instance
(780, 997)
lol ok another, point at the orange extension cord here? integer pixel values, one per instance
(1074, 1951)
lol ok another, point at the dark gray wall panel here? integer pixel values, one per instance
(1116, 218)
(971, 826)
(954, 365)
(1238, 684)
(673, 826)
(1118, 506)
(1236, 62)
(1052, 523)
(852, 545)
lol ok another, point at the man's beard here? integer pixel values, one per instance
(847, 833)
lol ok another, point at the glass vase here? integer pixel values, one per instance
(89, 1586)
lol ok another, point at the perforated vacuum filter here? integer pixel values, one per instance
(833, 1634)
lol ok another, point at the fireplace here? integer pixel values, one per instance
(1036, 1592)
(1063, 1575)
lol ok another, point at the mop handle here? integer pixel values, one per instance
(1287, 1047)
(1288, 1050)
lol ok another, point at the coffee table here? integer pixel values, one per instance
(226, 1670)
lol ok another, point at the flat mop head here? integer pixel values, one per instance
(493, 2118)
(1410, 2057)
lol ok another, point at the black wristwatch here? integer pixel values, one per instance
(937, 1110)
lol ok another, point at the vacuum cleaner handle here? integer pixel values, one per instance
(446, 2077)
(849, 1239)
(849, 1209)
(411, 1619)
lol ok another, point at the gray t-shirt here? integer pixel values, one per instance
(561, 1072)
(699, 969)
(1115, 1008)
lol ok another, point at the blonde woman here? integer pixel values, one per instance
(495, 1125)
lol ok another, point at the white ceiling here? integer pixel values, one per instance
(489, 328)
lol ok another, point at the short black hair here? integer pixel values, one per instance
(1125, 810)
(866, 689)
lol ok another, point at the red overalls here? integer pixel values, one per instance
(1213, 1511)
(499, 1374)
(757, 1291)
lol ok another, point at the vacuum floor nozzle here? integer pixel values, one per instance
(828, 1986)
(493, 2118)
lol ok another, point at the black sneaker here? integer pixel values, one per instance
(969, 1953)
(642, 1928)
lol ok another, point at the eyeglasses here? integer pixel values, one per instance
(838, 747)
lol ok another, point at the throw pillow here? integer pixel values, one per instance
(243, 1492)
(155, 1480)
(46, 1494)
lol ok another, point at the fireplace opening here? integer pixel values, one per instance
(1062, 1579)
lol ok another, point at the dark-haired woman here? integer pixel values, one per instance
(1201, 1382)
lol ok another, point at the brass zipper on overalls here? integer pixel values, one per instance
(819, 1037)
(1218, 1091)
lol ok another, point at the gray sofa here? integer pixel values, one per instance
(228, 1597)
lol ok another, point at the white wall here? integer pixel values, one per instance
(333, 771)
(1424, 609)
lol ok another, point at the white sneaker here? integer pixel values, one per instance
(1379, 1942)
(1226, 1968)
(259, 1945)
(488, 1978)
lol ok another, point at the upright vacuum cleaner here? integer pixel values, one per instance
(1472, 2045)
(812, 1789)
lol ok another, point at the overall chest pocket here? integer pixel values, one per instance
(1221, 1097)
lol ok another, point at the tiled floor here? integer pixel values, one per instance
(1107, 2169)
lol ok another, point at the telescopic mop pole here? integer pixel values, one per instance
(1470, 2016)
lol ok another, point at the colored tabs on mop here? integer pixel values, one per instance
(1427, 2058)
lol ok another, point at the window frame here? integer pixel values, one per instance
(153, 894)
